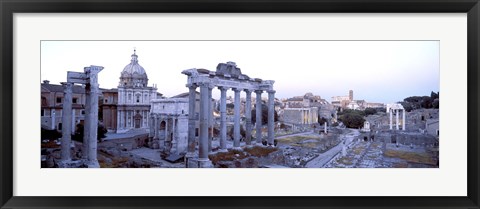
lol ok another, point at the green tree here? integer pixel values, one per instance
(264, 115)
(50, 134)
(101, 132)
(370, 111)
(352, 120)
(321, 120)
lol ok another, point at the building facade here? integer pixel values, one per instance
(127, 107)
(52, 98)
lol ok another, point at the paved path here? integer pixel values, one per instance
(325, 157)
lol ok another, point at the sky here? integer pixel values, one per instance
(376, 71)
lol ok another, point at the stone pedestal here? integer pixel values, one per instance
(92, 164)
(199, 163)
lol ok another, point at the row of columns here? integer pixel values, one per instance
(123, 117)
(206, 118)
(396, 118)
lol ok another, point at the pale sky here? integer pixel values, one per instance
(377, 71)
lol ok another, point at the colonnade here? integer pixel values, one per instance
(227, 77)
(205, 117)
(397, 119)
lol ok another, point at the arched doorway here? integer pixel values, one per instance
(138, 120)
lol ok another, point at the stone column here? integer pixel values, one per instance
(258, 111)
(156, 125)
(66, 121)
(403, 120)
(271, 113)
(150, 128)
(118, 120)
(52, 116)
(223, 118)
(73, 122)
(203, 131)
(210, 119)
(92, 72)
(390, 110)
(173, 130)
(325, 128)
(120, 96)
(248, 117)
(396, 117)
(192, 99)
(236, 118)
(162, 143)
(86, 123)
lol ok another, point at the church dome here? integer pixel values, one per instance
(133, 75)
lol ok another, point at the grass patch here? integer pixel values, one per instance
(358, 150)
(260, 151)
(310, 141)
(413, 157)
(297, 139)
(345, 161)
(116, 162)
(50, 144)
(227, 156)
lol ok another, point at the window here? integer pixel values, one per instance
(60, 126)
(74, 100)
(129, 97)
(106, 100)
(59, 99)
(44, 101)
(43, 113)
(83, 112)
(138, 98)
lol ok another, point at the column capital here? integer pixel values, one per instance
(222, 88)
(67, 87)
(248, 91)
(237, 89)
(258, 91)
(191, 86)
(203, 84)
(271, 91)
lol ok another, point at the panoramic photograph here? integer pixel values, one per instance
(240, 104)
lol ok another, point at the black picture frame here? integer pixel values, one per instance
(10, 7)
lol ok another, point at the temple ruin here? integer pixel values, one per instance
(227, 76)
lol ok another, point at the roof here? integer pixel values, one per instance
(295, 99)
(77, 89)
